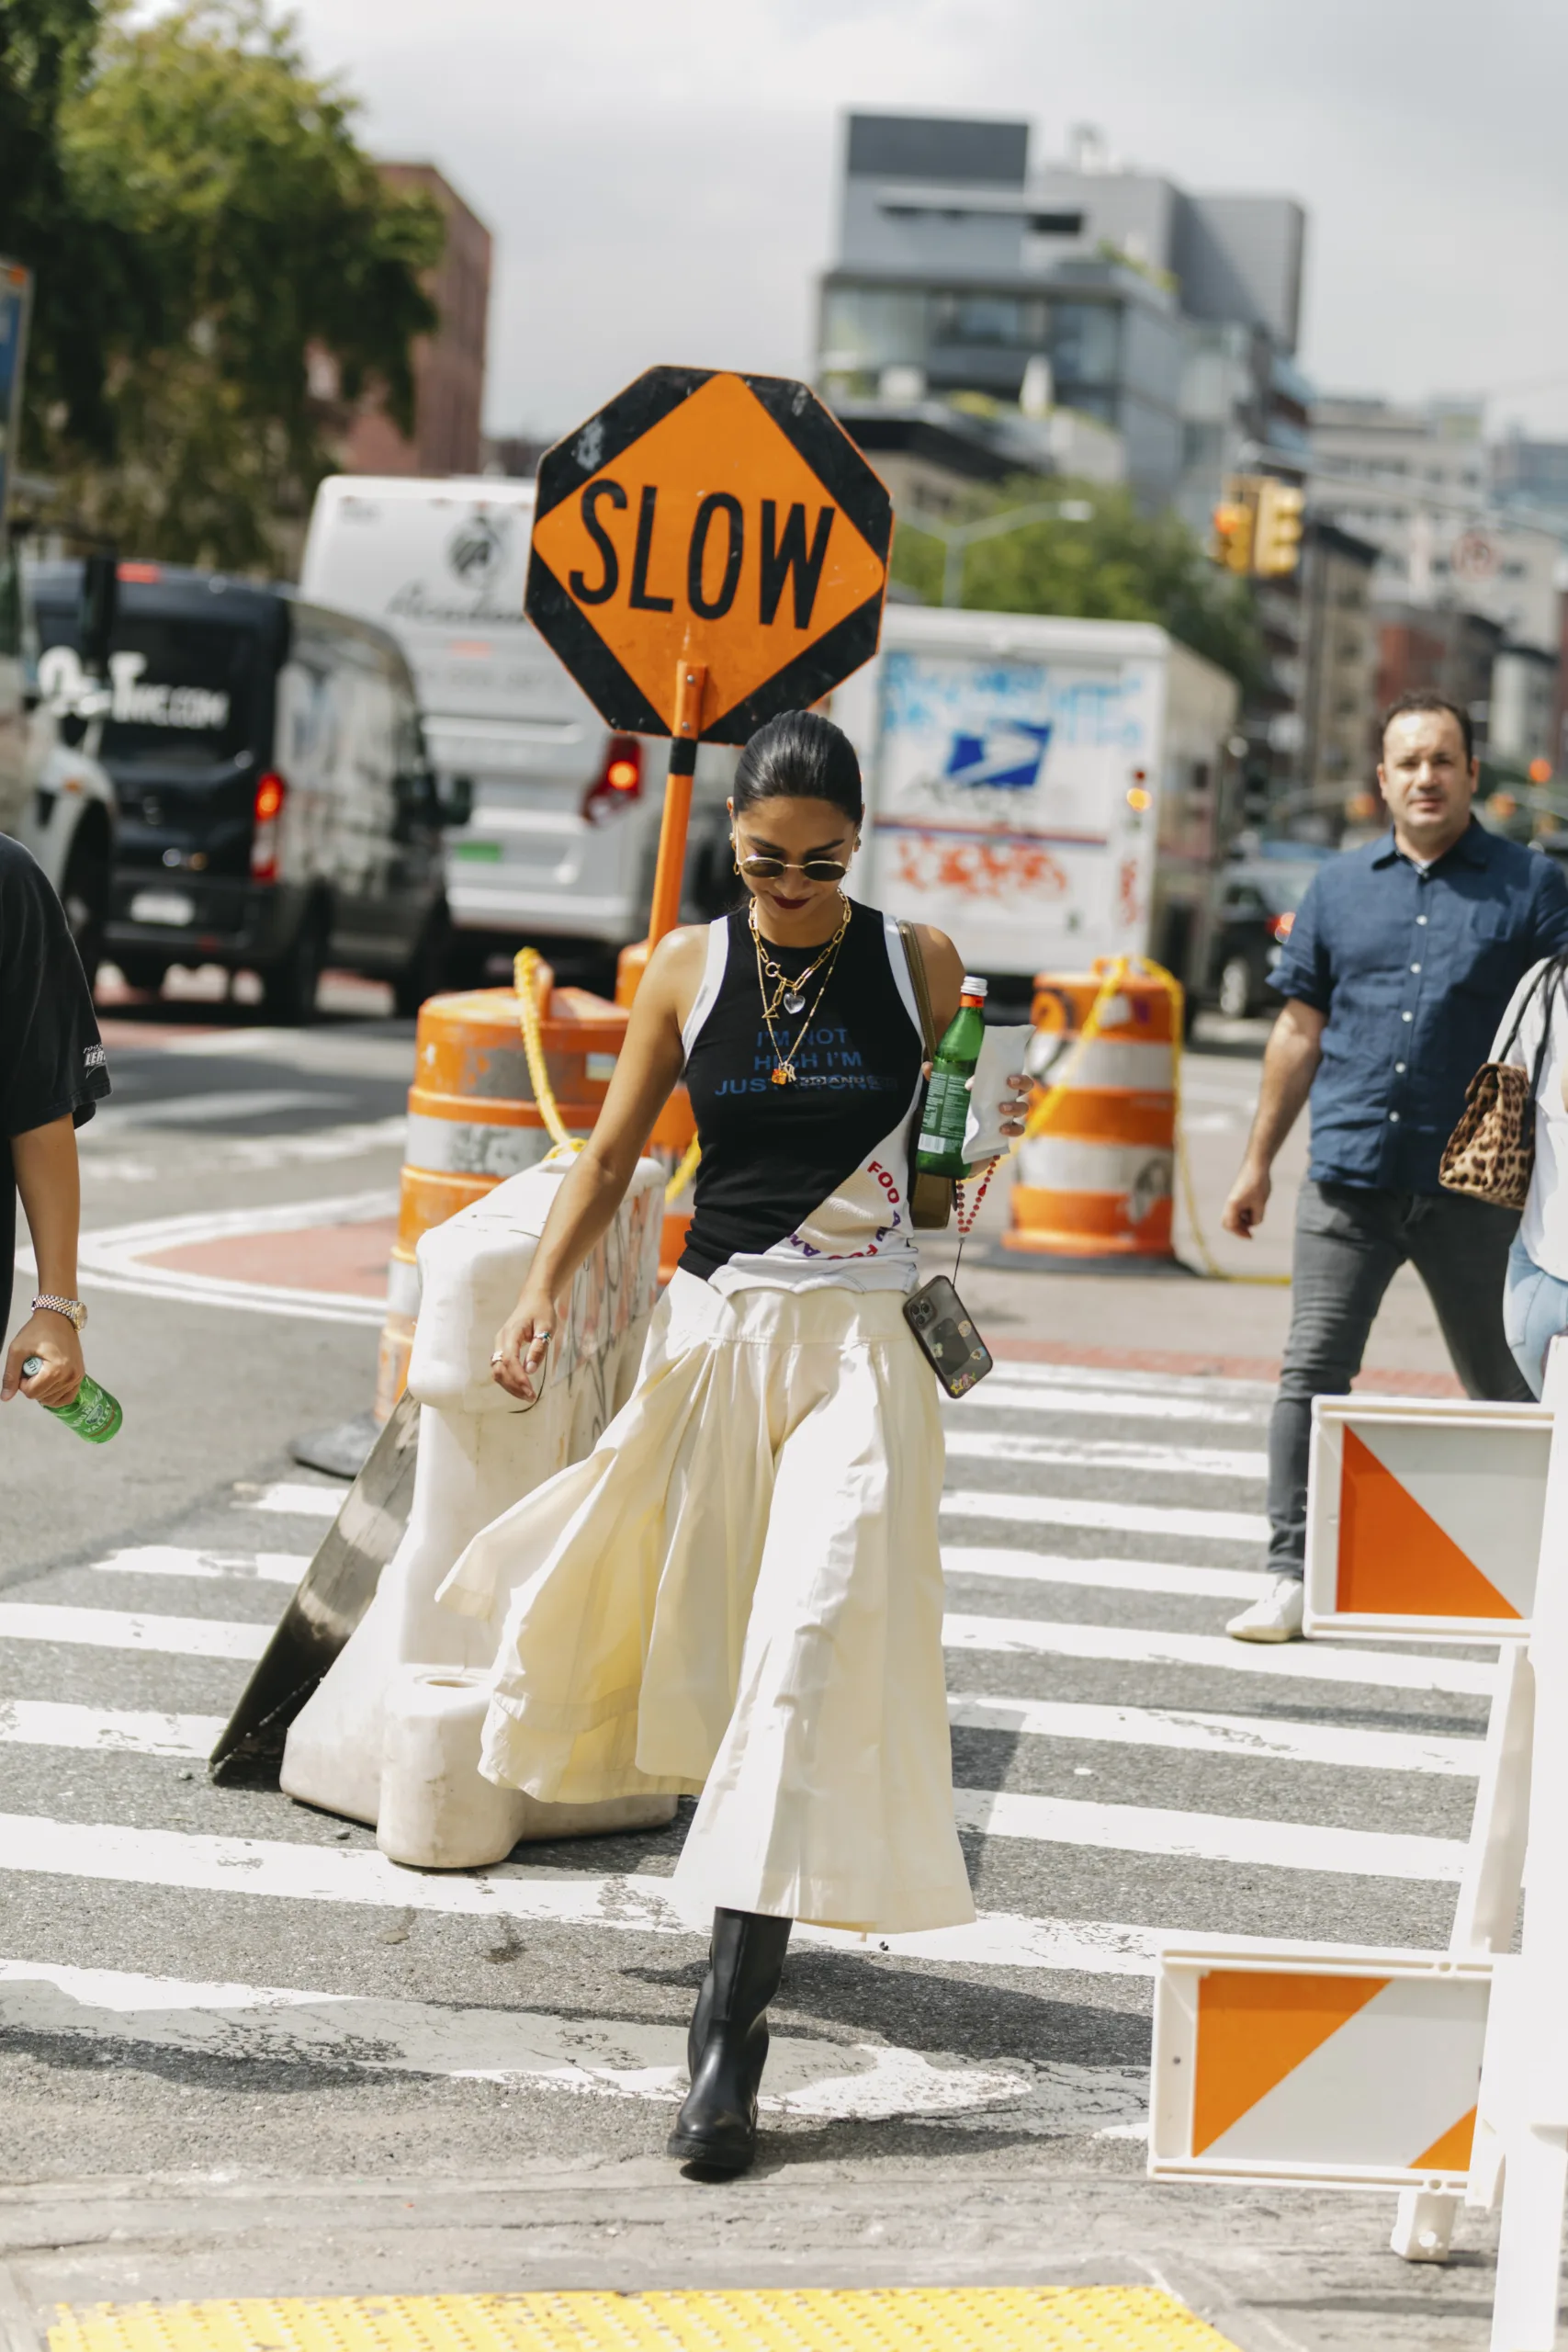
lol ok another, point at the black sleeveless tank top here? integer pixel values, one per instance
(815, 1172)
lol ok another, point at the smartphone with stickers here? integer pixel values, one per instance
(945, 1334)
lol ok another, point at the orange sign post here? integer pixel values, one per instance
(709, 550)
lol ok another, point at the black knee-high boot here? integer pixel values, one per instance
(727, 2046)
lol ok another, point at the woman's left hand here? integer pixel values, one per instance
(1014, 1107)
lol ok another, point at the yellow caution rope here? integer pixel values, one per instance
(1216, 1272)
(526, 970)
(1042, 1112)
(526, 966)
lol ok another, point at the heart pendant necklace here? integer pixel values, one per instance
(794, 1002)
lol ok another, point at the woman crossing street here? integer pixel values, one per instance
(738, 1595)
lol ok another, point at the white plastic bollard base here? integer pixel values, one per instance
(436, 1801)
(1424, 2227)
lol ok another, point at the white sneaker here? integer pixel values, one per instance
(1275, 1618)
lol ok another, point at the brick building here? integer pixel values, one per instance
(449, 366)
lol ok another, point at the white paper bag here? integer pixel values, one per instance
(1002, 1056)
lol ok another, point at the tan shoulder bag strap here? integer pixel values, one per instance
(931, 1197)
(919, 982)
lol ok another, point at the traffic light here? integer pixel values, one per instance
(1276, 531)
(1234, 526)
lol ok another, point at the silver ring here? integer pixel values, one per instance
(498, 1357)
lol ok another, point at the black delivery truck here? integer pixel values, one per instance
(277, 808)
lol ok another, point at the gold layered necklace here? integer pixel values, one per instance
(780, 993)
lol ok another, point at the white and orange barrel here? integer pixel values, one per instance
(1097, 1180)
(473, 1119)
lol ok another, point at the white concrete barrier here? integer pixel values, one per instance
(391, 1737)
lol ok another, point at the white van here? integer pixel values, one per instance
(560, 846)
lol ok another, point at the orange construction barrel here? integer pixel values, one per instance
(1096, 1181)
(473, 1119)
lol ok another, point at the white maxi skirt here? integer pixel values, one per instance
(739, 1595)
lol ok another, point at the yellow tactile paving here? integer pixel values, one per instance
(825, 2319)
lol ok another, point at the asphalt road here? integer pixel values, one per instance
(206, 2043)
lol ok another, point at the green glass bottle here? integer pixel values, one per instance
(940, 1151)
(92, 1413)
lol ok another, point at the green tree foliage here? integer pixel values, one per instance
(1114, 565)
(252, 229)
(92, 291)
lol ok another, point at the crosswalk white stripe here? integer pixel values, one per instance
(1268, 1739)
(634, 1904)
(1309, 1662)
(969, 1445)
(48, 1723)
(296, 1500)
(1006, 1392)
(43, 1722)
(1129, 1519)
(1256, 1396)
(638, 2059)
(205, 1568)
(1103, 1576)
(1297, 1661)
(1208, 1836)
(116, 1629)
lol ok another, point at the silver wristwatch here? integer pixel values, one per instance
(76, 1314)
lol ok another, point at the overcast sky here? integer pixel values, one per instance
(660, 177)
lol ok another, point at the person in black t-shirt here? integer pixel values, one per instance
(51, 1074)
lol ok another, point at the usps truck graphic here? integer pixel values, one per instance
(998, 802)
(1007, 757)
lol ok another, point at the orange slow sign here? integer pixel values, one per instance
(713, 518)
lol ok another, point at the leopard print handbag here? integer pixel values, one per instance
(1491, 1154)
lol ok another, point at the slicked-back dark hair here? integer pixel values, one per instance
(1429, 699)
(800, 755)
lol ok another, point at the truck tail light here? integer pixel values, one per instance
(618, 782)
(271, 792)
(1281, 926)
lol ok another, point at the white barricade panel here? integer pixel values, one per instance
(404, 1701)
(1317, 2065)
(1424, 1519)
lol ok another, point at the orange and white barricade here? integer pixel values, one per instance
(1096, 1169)
(1432, 1522)
(1424, 1519)
(1359, 2069)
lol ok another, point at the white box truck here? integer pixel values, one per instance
(560, 846)
(1046, 790)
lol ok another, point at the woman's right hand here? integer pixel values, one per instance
(522, 1345)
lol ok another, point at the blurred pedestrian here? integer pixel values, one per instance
(51, 1074)
(1400, 959)
(738, 1596)
(1533, 1036)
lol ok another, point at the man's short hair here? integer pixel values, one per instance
(1429, 699)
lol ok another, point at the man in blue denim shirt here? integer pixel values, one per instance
(1400, 963)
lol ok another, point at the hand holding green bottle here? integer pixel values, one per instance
(92, 1413)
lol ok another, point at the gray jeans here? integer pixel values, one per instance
(1351, 1240)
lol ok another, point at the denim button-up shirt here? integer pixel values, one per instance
(1414, 971)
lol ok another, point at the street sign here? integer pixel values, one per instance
(16, 285)
(721, 521)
